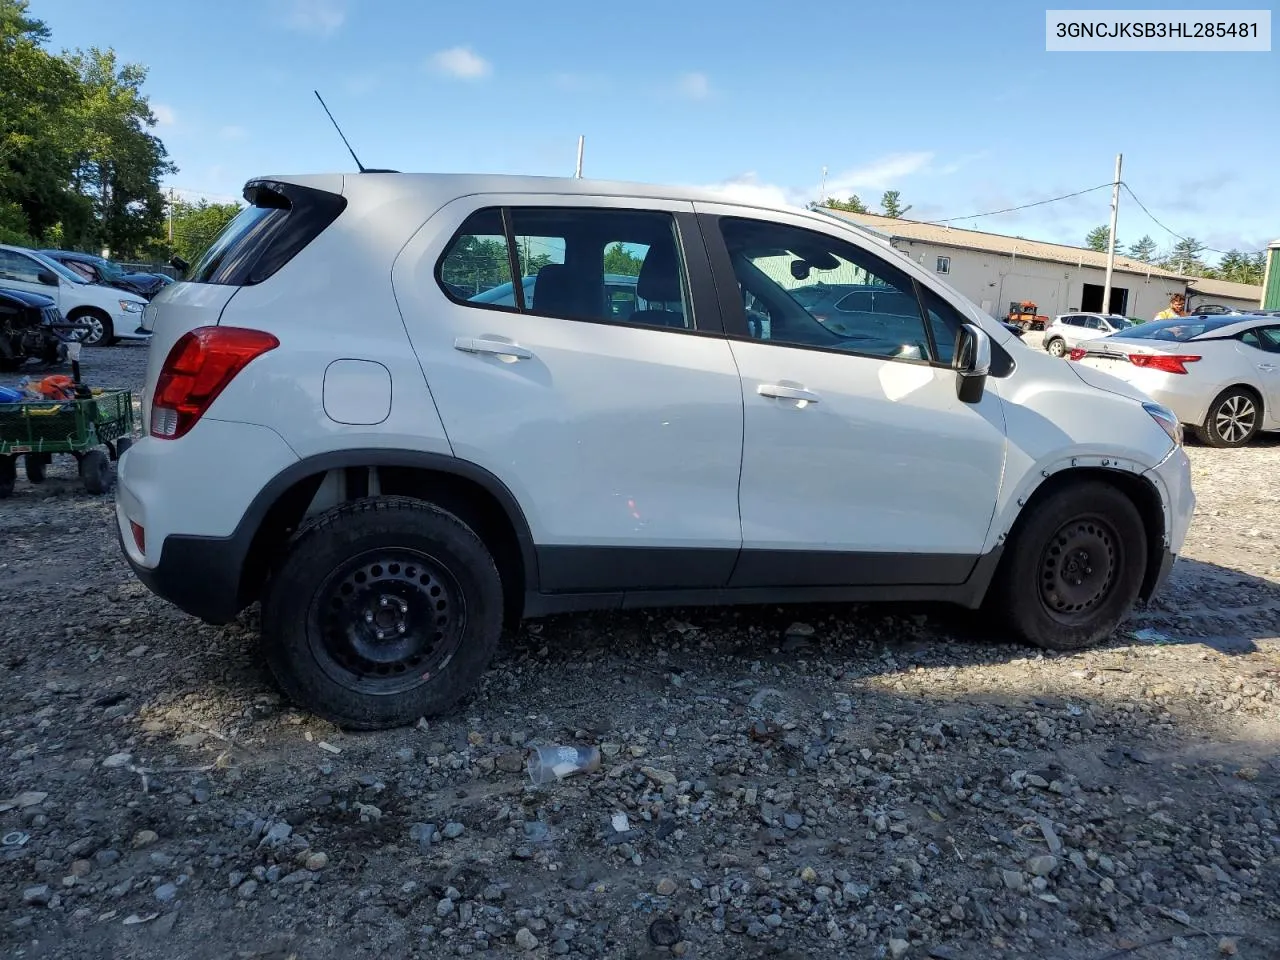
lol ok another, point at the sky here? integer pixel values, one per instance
(958, 106)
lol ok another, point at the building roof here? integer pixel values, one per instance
(943, 234)
(1226, 288)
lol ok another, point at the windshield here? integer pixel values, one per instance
(109, 269)
(58, 268)
(1121, 323)
(1181, 330)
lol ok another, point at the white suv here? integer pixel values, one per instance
(1069, 330)
(102, 314)
(343, 427)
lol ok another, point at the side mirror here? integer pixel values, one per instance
(972, 363)
(178, 263)
(48, 278)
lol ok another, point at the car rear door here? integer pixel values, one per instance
(619, 433)
(860, 464)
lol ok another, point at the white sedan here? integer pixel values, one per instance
(1219, 374)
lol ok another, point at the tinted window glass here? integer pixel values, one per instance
(475, 265)
(867, 306)
(1263, 338)
(226, 255)
(1179, 330)
(19, 267)
(944, 323)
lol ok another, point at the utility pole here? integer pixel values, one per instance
(822, 187)
(1111, 240)
(578, 170)
(171, 221)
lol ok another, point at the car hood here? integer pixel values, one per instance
(30, 299)
(1105, 381)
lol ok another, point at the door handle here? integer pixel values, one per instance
(497, 348)
(780, 392)
(1268, 367)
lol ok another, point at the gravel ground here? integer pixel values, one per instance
(806, 782)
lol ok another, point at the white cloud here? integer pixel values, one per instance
(748, 188)
(320, 18)
(233, 132)
(694, 86)
(165, 115)
(461, 63)
(886, 173)
(868, 180)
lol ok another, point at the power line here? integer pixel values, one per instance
(1175, 232)
(1025, 206)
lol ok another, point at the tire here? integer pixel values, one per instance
(99, 330)
(393, 563)
(8, 474)
(35, 464)
(95, 472)
(123, 444)
(10, 364)
(1059, 544)
(1233, 420)
(1057, 347)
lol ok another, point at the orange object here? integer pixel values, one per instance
(57, 387)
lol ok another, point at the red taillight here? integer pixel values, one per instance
(1077, 353)
(139, 536)
(197, 369)
(1162, 361)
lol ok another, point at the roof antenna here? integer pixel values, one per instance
(359, 165)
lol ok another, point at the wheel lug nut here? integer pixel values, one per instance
(404, 607)
(400, 629)
(368, 616)
(384, 602)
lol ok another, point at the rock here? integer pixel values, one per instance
(277, 834)
(81, 868)
(144, 838)
(444, 907)
(808, 875)
(36, 896)
(453, 830)
(1228, 947)
(666, 887)
(117, 760)
(29, 798)
(526, 940)
(1247, 773)
(248, 889)
(105, 858)
(1013, 879)
(663, 777)
(898, 948)
(317, 862)
(799, 629)
(792, 821)
(166, 893)
(510, 762)
(1042, 866)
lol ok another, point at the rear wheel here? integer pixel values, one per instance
(95, 472)
(1074, 568)
(35, 464)
(384, 611)
(8, 474)
(1234, 418)
(1058, 347)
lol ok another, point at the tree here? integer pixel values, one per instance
(1098, 239)
(1185, 258)
(891, 204)
(1239, 267)
(195, 225)
(852, 205)
(1144, 250)
(618, 259)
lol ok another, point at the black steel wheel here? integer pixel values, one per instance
(95, 472)
(385, 621)
(380, 612)
(1073, 567)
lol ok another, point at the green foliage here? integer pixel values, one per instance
(1239, 267)
(195, 225)
(891, 204)
(477, 263)
(1185, 258)
(618, 259)
(1144, 250)
(77, 157)
(1099, 237)
(13, 226)
(852, 205)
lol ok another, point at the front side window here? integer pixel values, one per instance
(1263, 338)
(577, 263)
(804, 288)
(19, 268)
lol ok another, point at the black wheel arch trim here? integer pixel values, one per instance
(205, 576)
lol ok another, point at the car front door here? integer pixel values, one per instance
(1261, 347)
(21, 272)
(618, 432)
(860, 464)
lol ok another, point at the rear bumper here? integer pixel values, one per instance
(198, 575)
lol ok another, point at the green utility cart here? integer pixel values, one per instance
(96, 430)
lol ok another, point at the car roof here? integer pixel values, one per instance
(71, 254)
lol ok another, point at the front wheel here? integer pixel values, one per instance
(1074, 568)
(1057, 347)
(1234, 418)
(95, 472)
(384, 611)
(94, 330)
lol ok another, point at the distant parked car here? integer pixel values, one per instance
(102, 314)
(101, 270)
(1071, 329)
(619, 291)
(1219, 375)
(29, 329)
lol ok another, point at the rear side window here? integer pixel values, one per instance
(279, 221)
(574, 263)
